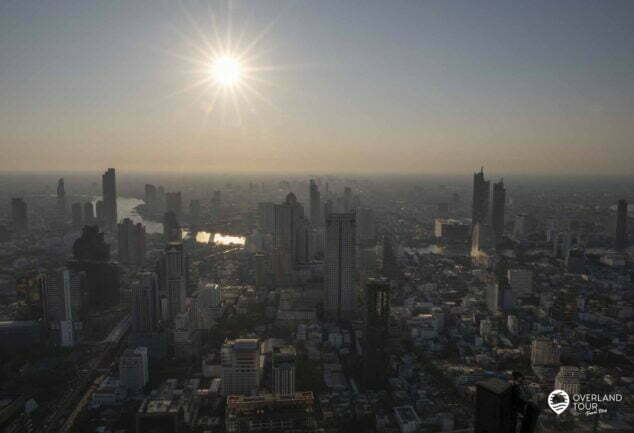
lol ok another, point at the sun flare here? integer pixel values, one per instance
(226, 71)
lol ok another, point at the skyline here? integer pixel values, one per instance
(427, 88)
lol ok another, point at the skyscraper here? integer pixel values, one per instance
(621, 226)
(497, 211)
(377, 297)
(347, 200)
(19, 215)
(145, 303)
(284, 370)
(481, 188)
(131, 243)
(390, 261)
(109, 191)
(133, 369)
(61, 199)
(288, 229)
(171, 228)
(173, 280)
(174, 203)
(240, 364)
(365, 225)
(315, 205)
(63, 302)
(340, 265)
(150, 198)
(89, 213)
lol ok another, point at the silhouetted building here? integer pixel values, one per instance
(100, 212)
(284, 358)
(365, 225)
(288, 227)
(131, 243)
(19, 215)
(390, 261)
(61, 199)
(145, 304)
(377, 298)
(340, 265)
(63, 303)
(109, 191)
(497, 211)
(171, 228)
(76, 212)
(498, 404)
(174, 203)
(172, 271)
(481, 191)
(621, 240)
(89, 213)
(150, 198)
(315, 205)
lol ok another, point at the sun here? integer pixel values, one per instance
(226, 71)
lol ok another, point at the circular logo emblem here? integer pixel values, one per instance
(558, 401)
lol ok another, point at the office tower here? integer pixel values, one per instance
(150, 198)
(174, 203)
(205, 307)
(145, 304)
(100, 211)
(365, 225)
(134, 369)
(390, 261)
(89, 213)
(63, 302)
(497, 211)
(19, 215)
(495, 407)
(621, 240)
(480, 205)
(347, 200)
(272, 413)
(289, 225)
(194, 212)
(171, 228)
(521, 281)
(303, 241)
(131, 242)
(173, 280)
(77, 216)
(284, 370)
(109, 192)
(315, 205)
(61, 199)
(240, 366)
(91, 254)
(569, 379)
(377, 298)
(544, 352)
(266, 217)
(340, 265)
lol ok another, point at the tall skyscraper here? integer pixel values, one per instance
(340, 265)
(150, 198)
(289, 227)
(174, 203)
(76, 212)
(284, 370)
(315, 205)
(19, 215)
(347, 200)
(63, 302)
(134, 369)
(171, 228)
(365, 225)
(390, 261)
(481, 192)
(377, 297)
(61, 199)
(89, 213)
(497, 211)
(131, 243)
(621, 241)
(109, 191)
(173, 280)
(145, 303)
(240, 366)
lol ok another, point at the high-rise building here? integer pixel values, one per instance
(569, 379)
(340, 264)
(131, 243)
(240, 366)
(63, 302)
(377, 298)
(134, 369)
(100, 211)
(494, 408)
(347, 200)
(205, 306)
(109, 191)
(521, 281)
(497, 210)
(621, 240)
(174, 203)
(61, 199)
(288, 227)
(284, 370)
(365, 225)
(481, 192)
(390, 261)
(173, 280)
(76, 212)
(150, 198)
(89, 213)
(171, 228)
(315, 205)
(19, 215)
(520, 227)
(145, 304)
(544, 352)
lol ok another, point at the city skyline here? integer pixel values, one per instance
(432, 87)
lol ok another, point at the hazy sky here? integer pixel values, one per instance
(414, 86)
